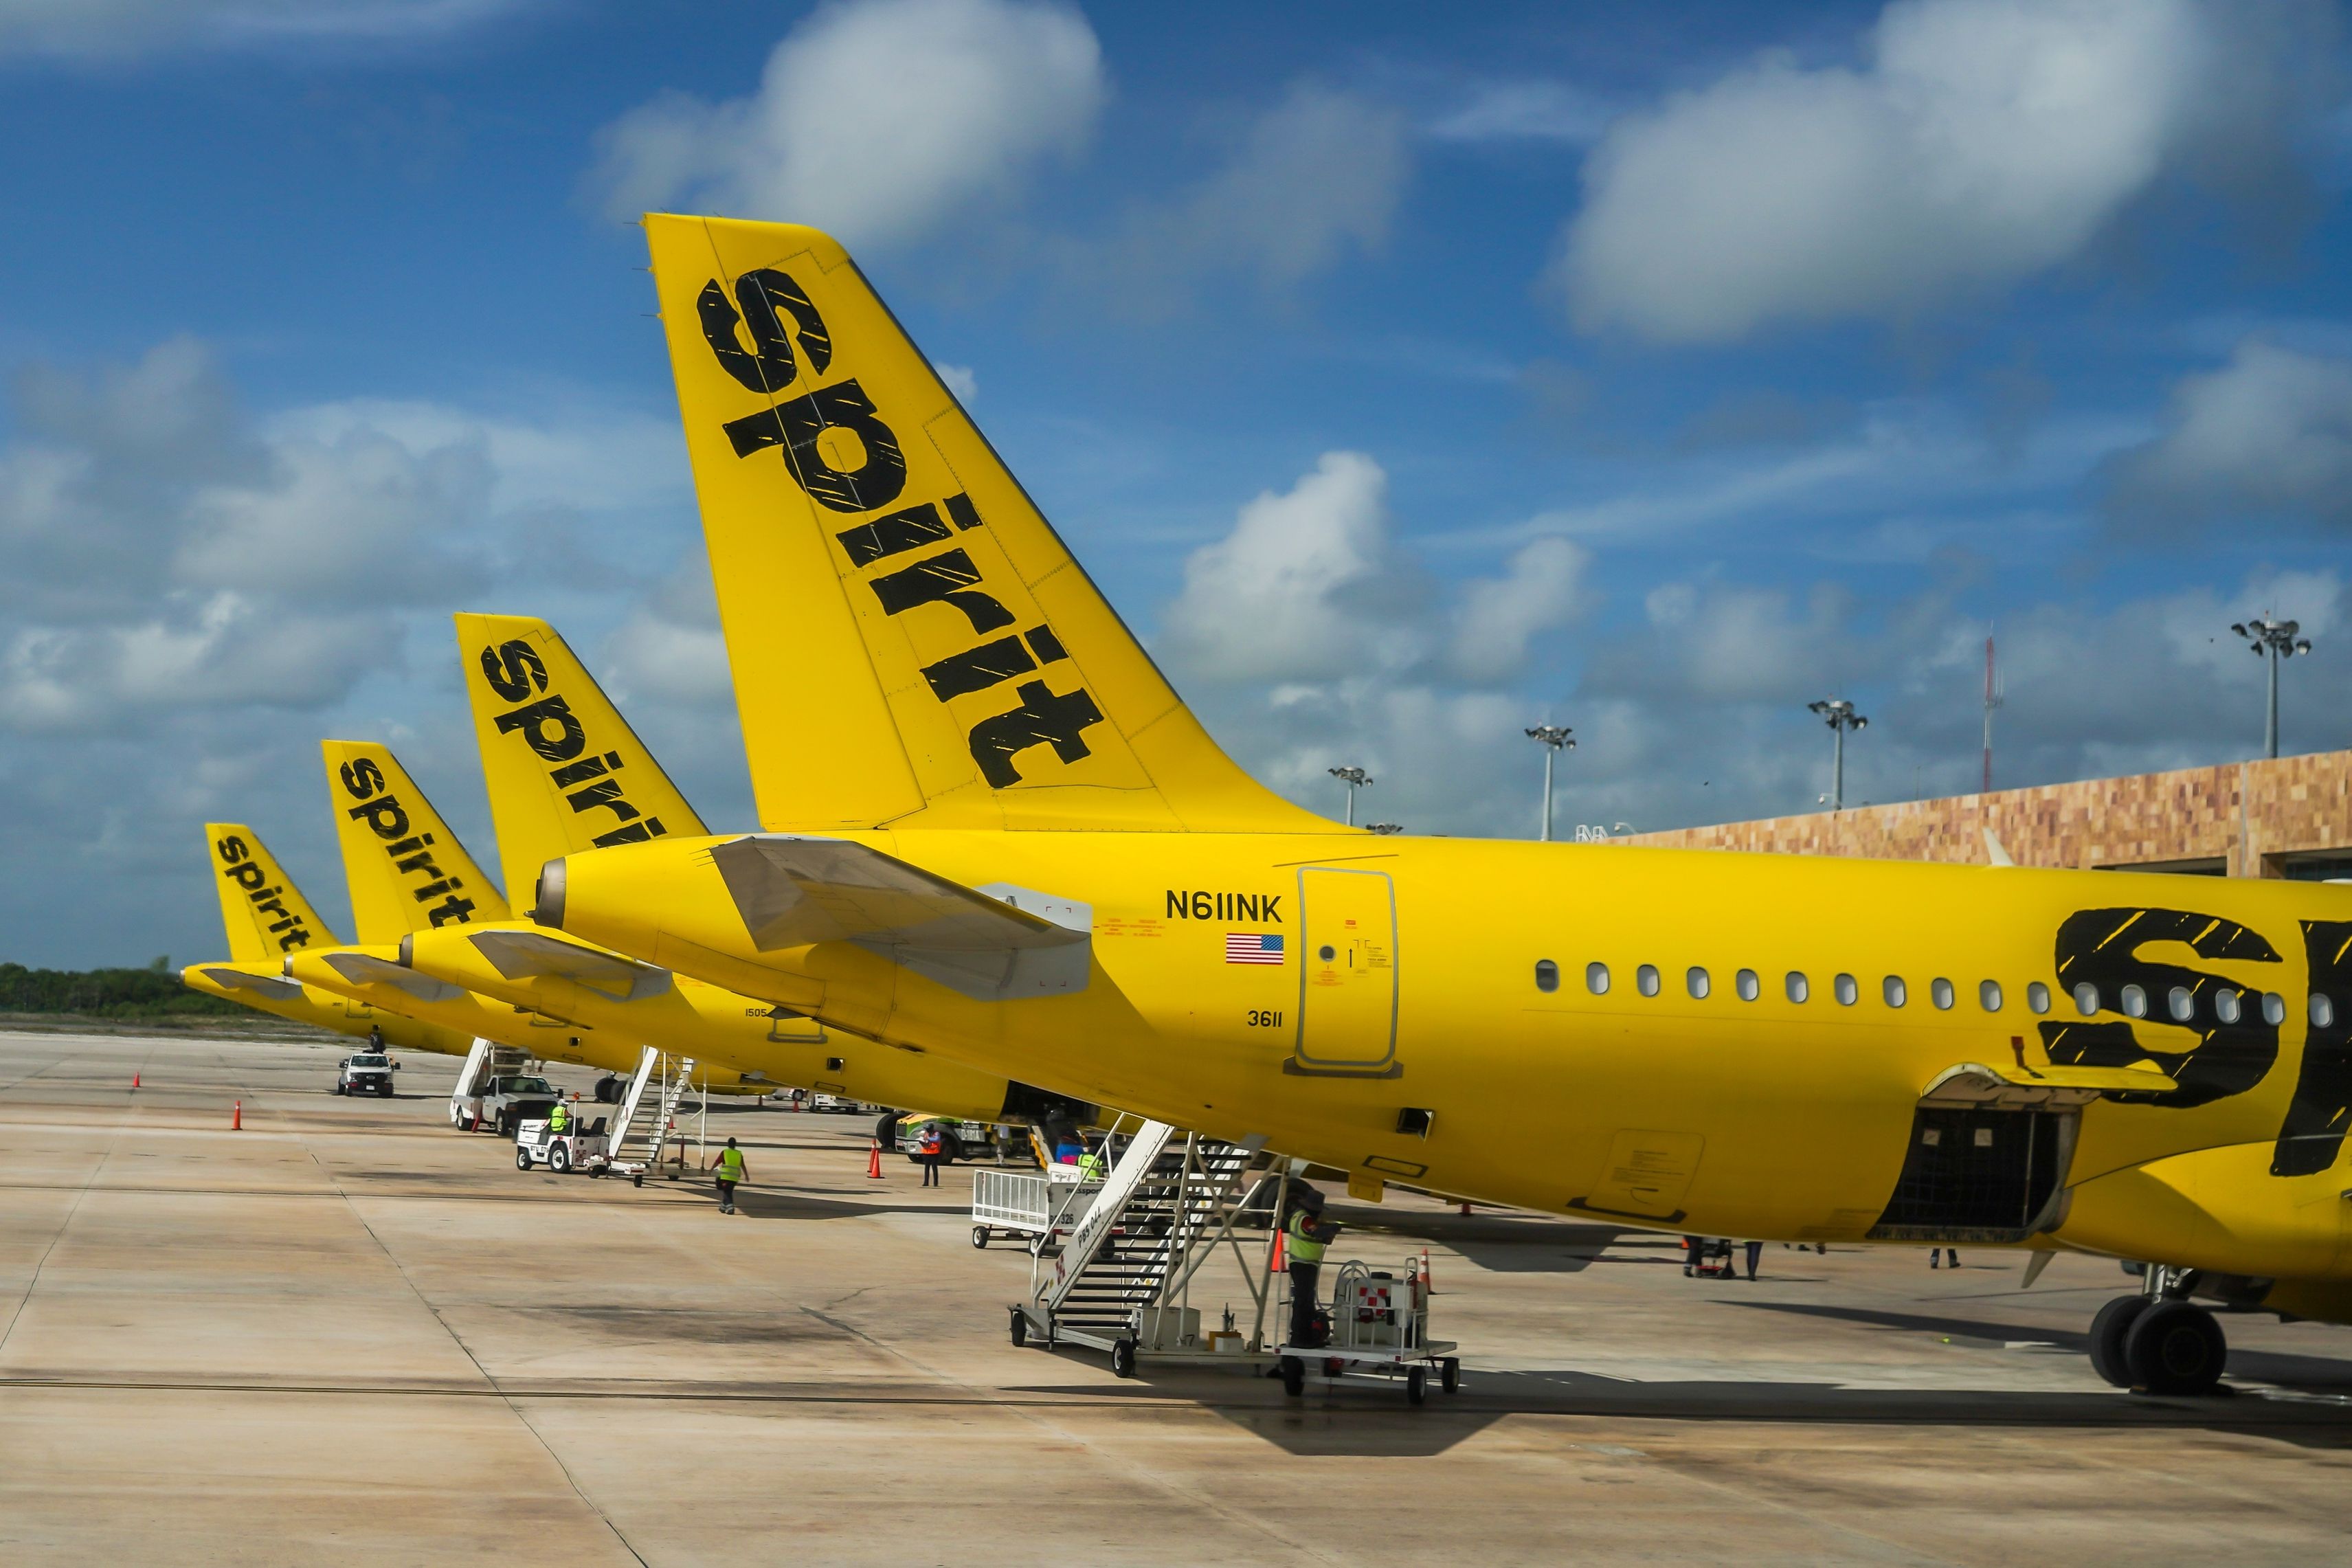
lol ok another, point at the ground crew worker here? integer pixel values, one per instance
(559, 1119)
(1306, 1236)
(730, 1169)
(929, 1147)
(1090, 1166)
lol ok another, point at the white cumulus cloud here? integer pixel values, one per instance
(876, 120)
(1979, 142)
(2268, 435)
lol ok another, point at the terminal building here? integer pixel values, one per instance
(2289, 816)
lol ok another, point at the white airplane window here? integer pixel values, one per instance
(1698, 983)
(1892, 989)
(1940, 992)
(1596, 979)
(1547, 975)
(1645, 980)
(1747, 985)
(2037, 996)
(1797, 986)
(1847, 991)
(2225, 1005)
(1989, 995)
(2273, 1008)
(2323, 1010)
(2086, 998)
(2180, 1004)
(2135, 1002)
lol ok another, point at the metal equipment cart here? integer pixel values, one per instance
(1379, 1330)
(1043, 1206)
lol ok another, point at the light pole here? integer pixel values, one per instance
(1838, 715)
(1355, 779)
(1554, 740)
(2278, 639)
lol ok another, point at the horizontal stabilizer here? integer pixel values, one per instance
(991, 943)
(272, 987)
(366, 969)
(522, 954)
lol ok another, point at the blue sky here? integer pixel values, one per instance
(1405, 379)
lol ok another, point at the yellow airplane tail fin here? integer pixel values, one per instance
(266, 914)
(566, 773)
(912, 644)
(406, 869)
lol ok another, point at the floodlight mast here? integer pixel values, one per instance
(1838, 715)
(1554, 739)
(1355, 779)
(2279, 640)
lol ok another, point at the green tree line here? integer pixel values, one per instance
(152, 992)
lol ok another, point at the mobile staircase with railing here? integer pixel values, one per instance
(647, 1122)
(1121, 1282)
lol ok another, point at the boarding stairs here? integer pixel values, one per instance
(649, 1110)
(1169, 1198)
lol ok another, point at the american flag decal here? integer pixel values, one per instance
(1251, 947)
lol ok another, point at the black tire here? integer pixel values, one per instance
(1019, 1328)
(1294, 1375)
(608, 1091)
(979, 1236)
(1416, 1385)
(559, 1160)
(636, 1178)
(2176, 1347)
(1122, 1358)
(1039, 1243)
(339, 1086)
(2107, 1331)
(522, 1159)
(1449, 1376)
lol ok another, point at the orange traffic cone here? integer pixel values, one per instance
(134, 1081)
(1279, 1262)
(874, 1161)
(237, 1117)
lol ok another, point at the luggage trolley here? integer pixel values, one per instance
(1379, 1325)
(1041, 1205)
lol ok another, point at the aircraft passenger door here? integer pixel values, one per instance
(1348, 975)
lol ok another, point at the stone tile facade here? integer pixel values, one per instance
(2245, 819)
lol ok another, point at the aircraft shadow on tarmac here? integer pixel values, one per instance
(2316, 1374)
(1370, 1419)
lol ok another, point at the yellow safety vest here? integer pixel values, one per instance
(560, 1119)
(1090, 1167)
(730, 1164)
(1304, 1248)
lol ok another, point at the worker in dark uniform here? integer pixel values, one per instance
(1306, 1236)
(729, 1170)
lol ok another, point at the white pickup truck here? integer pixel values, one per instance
(369, 1072)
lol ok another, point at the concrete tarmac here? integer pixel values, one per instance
(348, 1333)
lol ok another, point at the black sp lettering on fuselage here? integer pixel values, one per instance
(2101, 947)
(799, 427)
(587, 780)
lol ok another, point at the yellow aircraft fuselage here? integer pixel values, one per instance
(263, 987)
(1410, 1030)
(719, 1028)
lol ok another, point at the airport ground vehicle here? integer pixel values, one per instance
(1380, 1324)
(369, 1072)
(837, 1103)
(958, 1138)
(584, 1148)
(1026, 853)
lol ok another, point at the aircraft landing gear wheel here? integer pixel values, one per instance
(2175, 1347)
(1019, 1328)
(1449, 1376)
(522, 1159)
(1293, 1376)
(2107, 1331)
(1122, 1358)
(1416, 1385)
(558, 1159)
